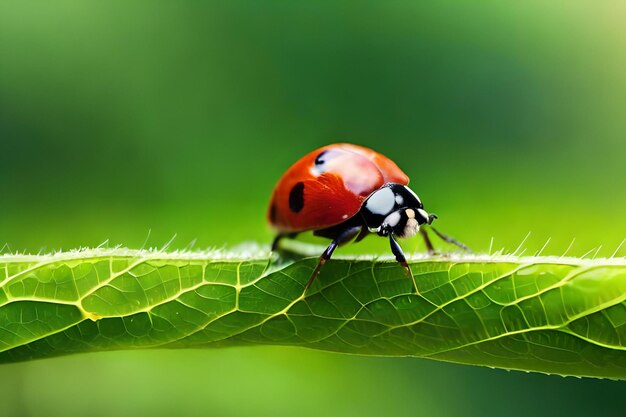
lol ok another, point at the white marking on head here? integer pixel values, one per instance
(393, 219)
(410, 213)
(423, 213)
(399, 200)
(381, 202)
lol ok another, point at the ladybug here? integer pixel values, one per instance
(345, 192)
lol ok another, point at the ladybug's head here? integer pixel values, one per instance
(406, 222)
(395, 209)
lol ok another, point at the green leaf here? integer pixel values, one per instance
(555, 315)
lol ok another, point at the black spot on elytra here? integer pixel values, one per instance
(296, 197)
(273, 213)
(319, 160)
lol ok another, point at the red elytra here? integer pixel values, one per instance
(350, 175)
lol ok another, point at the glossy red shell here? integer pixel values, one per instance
(331, 194)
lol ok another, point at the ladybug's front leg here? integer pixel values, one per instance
(429, 244)
(397, 251)
(343, 237)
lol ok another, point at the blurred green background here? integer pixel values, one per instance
(120, 118)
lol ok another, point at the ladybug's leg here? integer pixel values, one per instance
(397, 251)
(451, 240)
(364, 232)
(343, 237)
(276, 241)
(278, 238)
(429, 244)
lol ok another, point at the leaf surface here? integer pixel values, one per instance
(555, 315)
